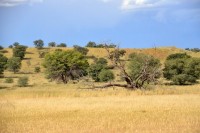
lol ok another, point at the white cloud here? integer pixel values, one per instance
(11, 3)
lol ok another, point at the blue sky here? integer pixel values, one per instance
(127, 23)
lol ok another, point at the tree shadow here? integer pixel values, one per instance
(3, 87)
(27, 59)
(29, 53)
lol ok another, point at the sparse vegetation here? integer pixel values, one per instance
(14, 64)
(9, 80)
(23, 81)
(19, 51)
(37, 69)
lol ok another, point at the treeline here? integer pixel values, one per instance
(137, 72)
(94, 45)
(193, 49)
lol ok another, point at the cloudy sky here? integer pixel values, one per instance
(128, 23)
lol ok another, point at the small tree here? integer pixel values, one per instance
(14, 64)
(65, 65)
(23, 81)
(52, 44)
(80, 49)
(96, 68)
(39, 43)
(3, 62)
(91, 44)
(15, 44)
(106, 75)
(19, 51)
(62, 45)
(10, 46)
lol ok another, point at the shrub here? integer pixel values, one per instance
(11, 46)
(52, 44)
(62, 45)
(80, 49)
(42, 54)
(19, 51)
(1, 47)
(37, 69)
(182, 69)
(14, 64)
(3, 62)
(9, 80)
(23, 81)
(106, 75)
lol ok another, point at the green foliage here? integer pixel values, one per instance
(143, 68)
(39, 43)
(1, 47)
(106, 75)
(62, 45)
(80, 49)
(182, 70)
(37, 69)
(23, 81)
(178, 56)
(14, 64)
(15, 44)
(94, 45)
(193, 49)
(96, 68)
(91, 44)
(52, 44)
(19, 51)
(10, 46)
(3, 62)
(9, 80)
(65, 65)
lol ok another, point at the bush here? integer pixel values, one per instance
(11, 46)
(23, 81)
(9, 80)
(42, 54)
(3, 62)
(1, 47)
(80, 49)
(14, 64)
(182, 69)
(106, 75)
(62, 45)
(19, 51)
(37, 69)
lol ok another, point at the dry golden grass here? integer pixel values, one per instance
(139, 114)
(50, 107)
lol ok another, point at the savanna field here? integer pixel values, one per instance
(51, 107)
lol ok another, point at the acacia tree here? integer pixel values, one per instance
(65, 65)
(142, 69)
(39, 43)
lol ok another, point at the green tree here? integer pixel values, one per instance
(39, 43)
(62, 45)
(91, 44)
(143, 69)
(19, 51)
(65, 65)
(96, 68)
(10, 46)
(183, 69)
(16, 44)
(52, 44)
(80, 49)
(14, 64)
(106, 75)
(1, 47)
(3, 62)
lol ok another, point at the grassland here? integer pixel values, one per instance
(50, 107)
